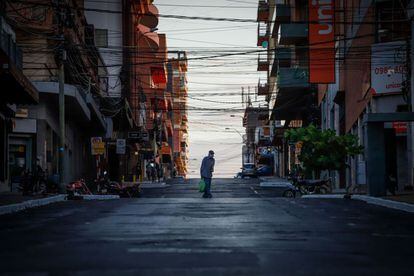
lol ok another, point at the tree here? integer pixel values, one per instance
(323, 149)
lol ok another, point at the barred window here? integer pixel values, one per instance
(101, 38)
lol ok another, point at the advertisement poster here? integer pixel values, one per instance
(321, 41)
(388, 67)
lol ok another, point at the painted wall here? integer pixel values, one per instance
(113, 54)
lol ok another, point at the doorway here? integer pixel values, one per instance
(20, 159)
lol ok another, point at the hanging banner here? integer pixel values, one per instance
(321, 41)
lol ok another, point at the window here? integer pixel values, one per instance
(389, 17)
(101, 38)
(38, 13)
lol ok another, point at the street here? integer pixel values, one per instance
(238, 232)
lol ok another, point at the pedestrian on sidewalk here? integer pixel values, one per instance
(148, 170)
(206, 172)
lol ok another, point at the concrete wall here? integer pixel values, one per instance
(113, 54)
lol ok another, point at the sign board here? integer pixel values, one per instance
(145, 136)
(388, 68)
(134, 135)
(400, 127)
(97, 146)
(24, 125)
(120, 146)
(138, 135)
(321, 41)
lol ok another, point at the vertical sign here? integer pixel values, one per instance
(321, 41)
(97, 146)
(120, 146)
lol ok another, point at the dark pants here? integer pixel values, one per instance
(208, 186)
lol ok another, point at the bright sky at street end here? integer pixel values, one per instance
(215, 83)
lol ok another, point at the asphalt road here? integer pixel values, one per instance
(241, 231)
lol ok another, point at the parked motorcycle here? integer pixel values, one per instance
(106, 186)
(77, 188)
(26, 183)
(308, 186)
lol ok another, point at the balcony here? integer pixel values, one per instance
(282, 15)
(263, 35)
(16, 87)
(9, 47)
(150, 18)
(76, 102)
(293, 78)
(262, 62)
(169, 126)
(262, 88)
(292, 33)
(263, 11)
(283, 58)
(147, 39)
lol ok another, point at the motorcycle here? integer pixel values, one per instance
(308, 186)
(105, 186)
(77, 188)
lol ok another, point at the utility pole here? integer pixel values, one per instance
(410, 80)
(62, 58)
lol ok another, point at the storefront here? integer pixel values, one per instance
(22, 148)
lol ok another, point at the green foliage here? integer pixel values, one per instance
(323, 149)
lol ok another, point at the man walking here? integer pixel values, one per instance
(206, 172)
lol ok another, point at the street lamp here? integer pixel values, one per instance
(238, 132)
(244, 142)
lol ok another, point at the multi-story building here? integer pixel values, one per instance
(108, 37)
(16, 90)
(283, 35)
(369, 97)
(134, 43)
(348, 61)
(177, 84)
(49, 38)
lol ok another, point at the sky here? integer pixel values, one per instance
(214, 83)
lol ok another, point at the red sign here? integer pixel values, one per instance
(321, 41)
(158, 75)
(400, 127)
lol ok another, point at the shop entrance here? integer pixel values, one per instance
(20, 159)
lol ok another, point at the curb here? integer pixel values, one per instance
(401, 206)
(13, 208)
(275, 184)
(386, 203)
(154, 186)
(100, 197)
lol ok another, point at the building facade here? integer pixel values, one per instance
(359, 83)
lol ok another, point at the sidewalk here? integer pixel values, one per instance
(7, 198)
(393, 202)
(147, 184)
(273, 181)
(404, 197)
(13, 202)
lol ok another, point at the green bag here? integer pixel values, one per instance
(201, 186)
